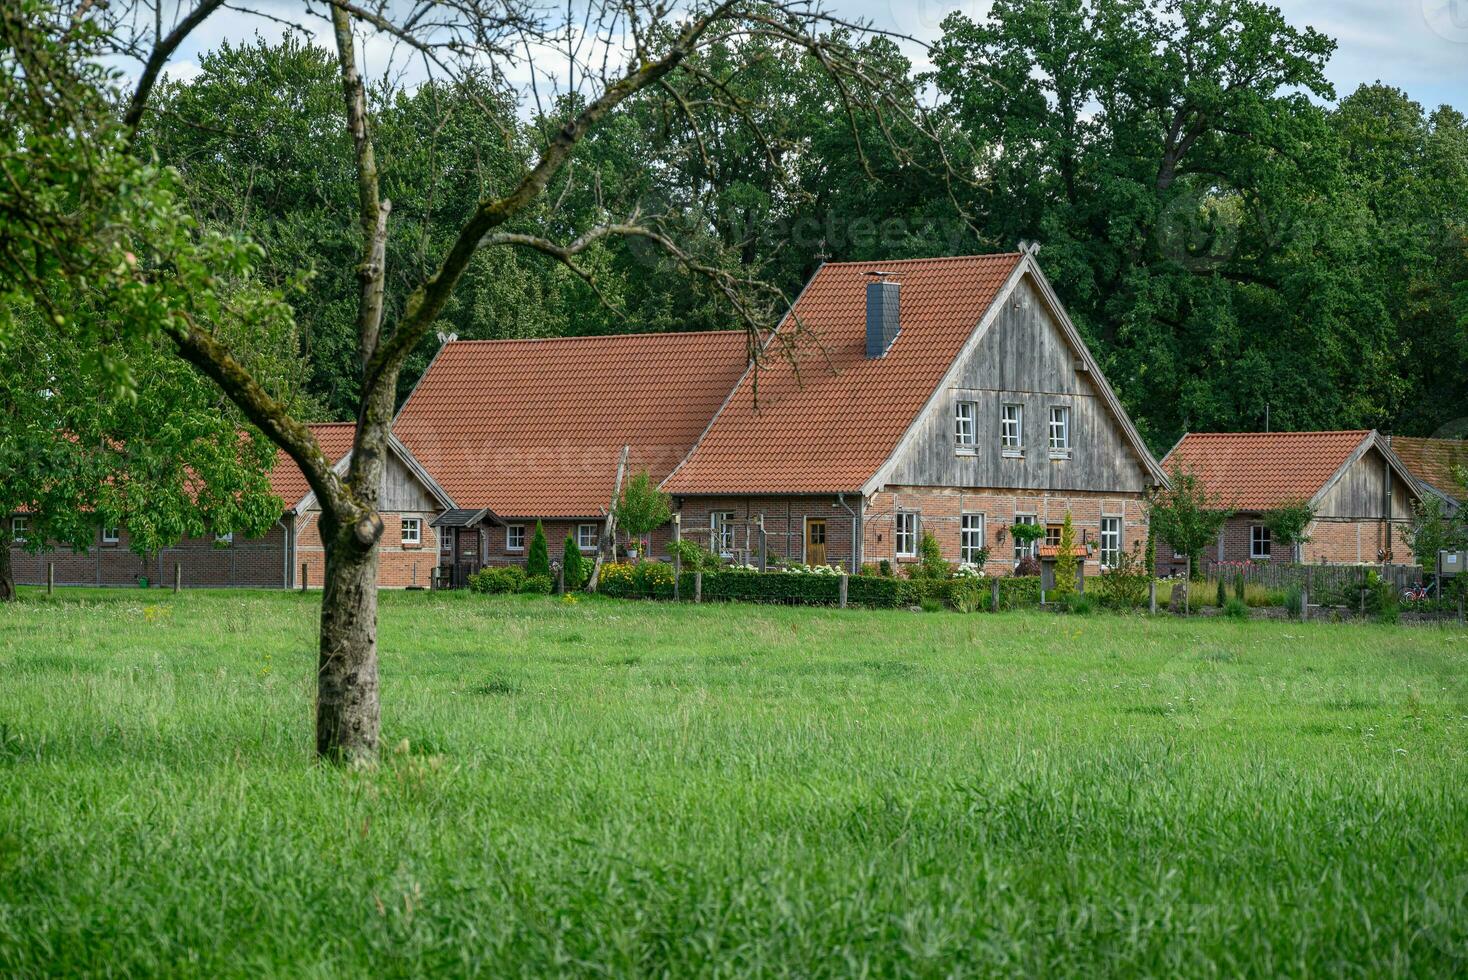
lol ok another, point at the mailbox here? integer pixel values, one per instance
(1450, 563)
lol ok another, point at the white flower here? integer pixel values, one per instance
(969, 569)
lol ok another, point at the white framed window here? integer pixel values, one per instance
(1011, 429)
(971, 537)
(1059, 432)
(412, 531)
(586, 537)
(1258, 541)
(19, 528)
(226, 539)
(907, 533)
(721, 524)
(111, 535)
(1110, 542)
(965, 421)
(514, 537)
(1023, 549)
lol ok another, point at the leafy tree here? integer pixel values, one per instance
(931, 563)
(537, 559)
(642, 508)
(1186, 516)
(1287, 524)
(1066, 563)
(1434, 528)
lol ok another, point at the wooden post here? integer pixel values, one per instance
(1461, 597)
(50, 577)
(844, 581)
(560, 578)
(677, 558)
(177, 577)
(305, 576)
(764, 565)
(1152, 596)
(609, 535)
(994, 593)
(1188, 587)
(698, 586)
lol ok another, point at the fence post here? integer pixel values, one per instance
(305, 576)
(50, 576)
(1152, 596)
(698, 586)
(677, 575)
(177, 576)
(1461, 596)
(1188, 588)
(994, 588)
(560, 579)
(844, 578)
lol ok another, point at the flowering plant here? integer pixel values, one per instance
(814, 570)
(969, 569)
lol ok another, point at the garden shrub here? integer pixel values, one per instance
(497, 579)
(931, 563)
(1080, 604)
(1294, 599)
(1016, 591)
(537, 560)
(573, 570)
(735, 585)
(538, 585)
(1235, 609)
(1222, 594)
(930, 604)
(694, 556)
(965, 595)
(1239, 587)
(1028, 566)
(1124, 585)
(885, 568)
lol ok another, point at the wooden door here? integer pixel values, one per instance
(815, 542)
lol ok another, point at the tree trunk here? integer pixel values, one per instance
(347, 707)
(7, 576)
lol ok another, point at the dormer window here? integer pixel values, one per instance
(965, 423)
(1011, 430)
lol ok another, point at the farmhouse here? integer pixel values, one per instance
(410, 500)
(1360, 491)
(951, 396)
(520, 431)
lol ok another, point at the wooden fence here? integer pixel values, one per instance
(1276, 575)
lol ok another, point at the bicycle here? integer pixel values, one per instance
(1417, 593)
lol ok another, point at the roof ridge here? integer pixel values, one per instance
(915, 261)
(593, 336)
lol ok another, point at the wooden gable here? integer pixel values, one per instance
(1023, 355)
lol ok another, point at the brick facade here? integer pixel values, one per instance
(271, 561)
(1338, 541)
(940, 512)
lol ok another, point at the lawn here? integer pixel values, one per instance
(598, 787)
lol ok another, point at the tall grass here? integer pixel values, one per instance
(603, 787)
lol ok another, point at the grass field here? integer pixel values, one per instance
(602, 787)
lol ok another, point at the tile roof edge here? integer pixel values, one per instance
(914, 261)
(466, 341)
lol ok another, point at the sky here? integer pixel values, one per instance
(1420, 46)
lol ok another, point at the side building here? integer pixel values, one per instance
(1361, 493)
(527, 431)
(279, 558)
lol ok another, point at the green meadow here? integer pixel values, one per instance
(598, 787)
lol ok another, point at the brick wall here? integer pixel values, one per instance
(202, 562)
(1332, 541)
(940, 513)
(399, 566)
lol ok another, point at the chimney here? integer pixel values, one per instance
(883, 323)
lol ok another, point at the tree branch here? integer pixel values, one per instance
(162, 51)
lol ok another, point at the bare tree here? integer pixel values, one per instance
(603, 54)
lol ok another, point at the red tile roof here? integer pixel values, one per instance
(1263, 470)
(286, 479)
(534, 428)
(1432, 461)
(829, 425)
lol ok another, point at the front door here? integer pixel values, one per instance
(815, 542)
